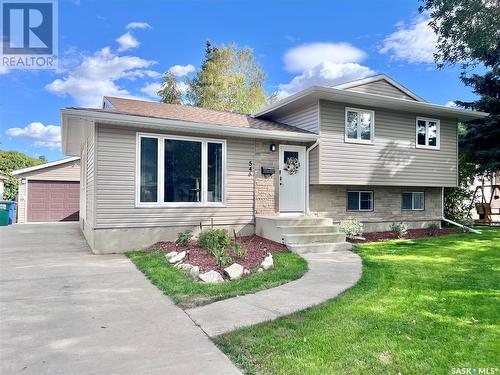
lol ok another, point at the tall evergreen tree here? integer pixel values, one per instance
(170, 92)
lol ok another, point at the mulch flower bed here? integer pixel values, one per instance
(412, 234)
(257, 248)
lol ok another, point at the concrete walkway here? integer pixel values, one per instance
(329, 274)
(66, 311)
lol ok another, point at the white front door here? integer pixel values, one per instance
(292, 178)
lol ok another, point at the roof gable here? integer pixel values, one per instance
(45, 165)
(380, 85)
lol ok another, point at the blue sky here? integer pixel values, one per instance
(122, 47)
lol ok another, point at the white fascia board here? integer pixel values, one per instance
(176, 125)
(339, 95)
(43, 166)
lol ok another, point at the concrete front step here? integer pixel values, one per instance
(320, 247)
(309, 229)
(313, 238)
(302, 220)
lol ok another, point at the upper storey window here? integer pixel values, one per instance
(427, 133)
(359, 125)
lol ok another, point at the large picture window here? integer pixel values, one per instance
(359, 125)
(427, 133)
(180, 171)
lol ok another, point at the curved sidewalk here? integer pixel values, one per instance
(329, 274)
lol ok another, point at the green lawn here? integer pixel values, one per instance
(422, 307)
(188, 293)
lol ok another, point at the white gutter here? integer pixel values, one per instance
(460, 225)
(308, 151)
(176, 125)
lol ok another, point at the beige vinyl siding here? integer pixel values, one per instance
(87, 185)
(304, 118)
(314, 166)
(392, 159)
(381, 87)
(63, 172)
(115, 186)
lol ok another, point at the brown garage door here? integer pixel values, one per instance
(53, 201)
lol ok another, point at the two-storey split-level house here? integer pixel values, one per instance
(369, 149)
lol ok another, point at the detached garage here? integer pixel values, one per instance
(49, 192)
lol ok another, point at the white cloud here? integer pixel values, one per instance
(127, 41)
(151, 89)
(42, 135)
(451, 104)
(324, 74)
(181, 70)
(308, 56)
(414, 42)
(96, 76)
(138, 25)
(3, 70)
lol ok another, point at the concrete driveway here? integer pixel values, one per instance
(66, 311)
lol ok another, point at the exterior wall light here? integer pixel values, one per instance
(272, 148)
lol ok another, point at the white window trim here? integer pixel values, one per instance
(438, 133)
(359, 201)
(412, 201)
(359, 140)
(161, 171)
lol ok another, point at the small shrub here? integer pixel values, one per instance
(213, 240)
(184, 237)
(221, 259)
(399, 229)
(239, 251)
(352, 228)
(432, 229)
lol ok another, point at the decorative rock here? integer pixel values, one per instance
(177, 258)
(212, 276)
(268, 262)
(194, 272)
(171, 254)
(246, 271)
(234, 271)
(185, 266)
(260, 269)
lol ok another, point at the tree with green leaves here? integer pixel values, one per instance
(229, 80)
(469, 34)
(10, 161)
(170, 92)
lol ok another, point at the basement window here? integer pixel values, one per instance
(360, 201)
(414, 201)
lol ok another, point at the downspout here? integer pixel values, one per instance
(308, 151)
(451, 221)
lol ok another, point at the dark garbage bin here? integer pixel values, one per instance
(7, 209)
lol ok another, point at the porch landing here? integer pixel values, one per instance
(302, 234)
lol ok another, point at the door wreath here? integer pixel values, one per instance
(292, 165)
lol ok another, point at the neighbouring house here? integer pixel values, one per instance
(49, 192)
(370, 149)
